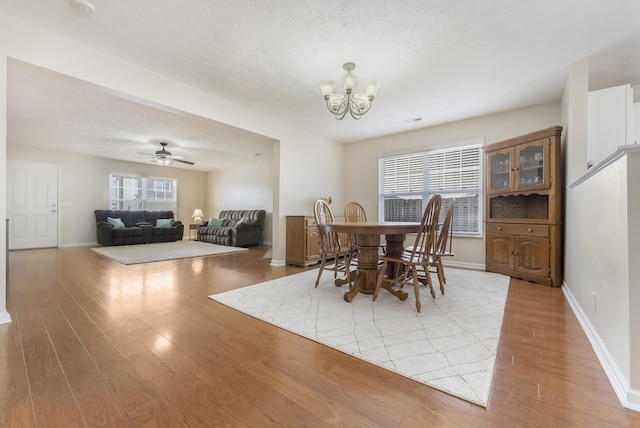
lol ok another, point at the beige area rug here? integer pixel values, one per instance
(451, 345)
(145, 253)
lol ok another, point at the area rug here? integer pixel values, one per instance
(146, 253)
(451, 345)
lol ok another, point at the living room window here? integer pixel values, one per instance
(407, 182)
(130, 192)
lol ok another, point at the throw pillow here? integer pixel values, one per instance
(116, 223)
(215, 222)
(164, 222)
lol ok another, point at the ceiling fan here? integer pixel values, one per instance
(165, 158)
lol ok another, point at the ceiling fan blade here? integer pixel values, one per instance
(184, 161)
(145, 154)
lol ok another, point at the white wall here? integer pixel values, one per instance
(597, 261)
(4, 315)
(633, 205)
(609, 121)
(85, 184)
(361, 159)
(575, 113)
(602, 278)
(246, 187)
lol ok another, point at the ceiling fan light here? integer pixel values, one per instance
(164, 161)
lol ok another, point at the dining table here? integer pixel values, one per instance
(368, 245)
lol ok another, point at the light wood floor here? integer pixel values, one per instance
(96, 343)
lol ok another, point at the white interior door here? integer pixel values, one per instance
(32, 205)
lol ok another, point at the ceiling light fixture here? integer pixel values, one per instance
(356, 104)
(164, 161)
(84, 7)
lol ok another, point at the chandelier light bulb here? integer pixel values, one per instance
(326, 87)
(349, 82)
(372, 89)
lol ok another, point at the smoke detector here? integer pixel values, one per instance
(83, 6)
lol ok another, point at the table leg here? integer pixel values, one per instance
(367, 274)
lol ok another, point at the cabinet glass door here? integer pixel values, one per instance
(500, 171)
(532, 170)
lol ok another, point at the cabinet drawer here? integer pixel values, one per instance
(519, 229)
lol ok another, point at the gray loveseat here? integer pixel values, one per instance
(140, 227)
(239, 228)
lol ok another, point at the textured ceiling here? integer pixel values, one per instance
(438, 60)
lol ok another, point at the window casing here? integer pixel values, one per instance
(407, 182)
(131, 192)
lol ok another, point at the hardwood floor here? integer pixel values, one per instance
(96, 343)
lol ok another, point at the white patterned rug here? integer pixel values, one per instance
(451, 345)
(145, 253)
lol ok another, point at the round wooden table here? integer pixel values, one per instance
(368, 243)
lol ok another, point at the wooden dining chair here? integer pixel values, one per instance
(354, 212)
(406, 266)
(445, 236)
(334, 256)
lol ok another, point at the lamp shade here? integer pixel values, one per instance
(197, 215)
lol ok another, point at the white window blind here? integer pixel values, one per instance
(404, 174)
(129, 192)
(407, 182)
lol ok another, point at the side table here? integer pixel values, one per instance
(193, 227)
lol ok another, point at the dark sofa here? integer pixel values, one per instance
(240, 228)
(140, 227)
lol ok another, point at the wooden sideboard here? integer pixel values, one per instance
(302, 241)
(523, 207)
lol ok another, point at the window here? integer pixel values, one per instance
(129, 192)
(407, 182)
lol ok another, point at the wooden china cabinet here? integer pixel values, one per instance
(523, 207)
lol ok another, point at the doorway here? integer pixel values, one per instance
(32, 205)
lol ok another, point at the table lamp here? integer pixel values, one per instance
(197, 215)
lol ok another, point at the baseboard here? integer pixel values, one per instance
(78, 244)
(5, 318)
(463, 265)
(633, 400)
(629, 398)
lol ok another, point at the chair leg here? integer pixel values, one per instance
(416, 287)
(347, 270)
(380, 279)
(322, 262)
(444, 278)
(441, 279)
(429, 282)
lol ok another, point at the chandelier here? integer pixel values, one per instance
(356, 104)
